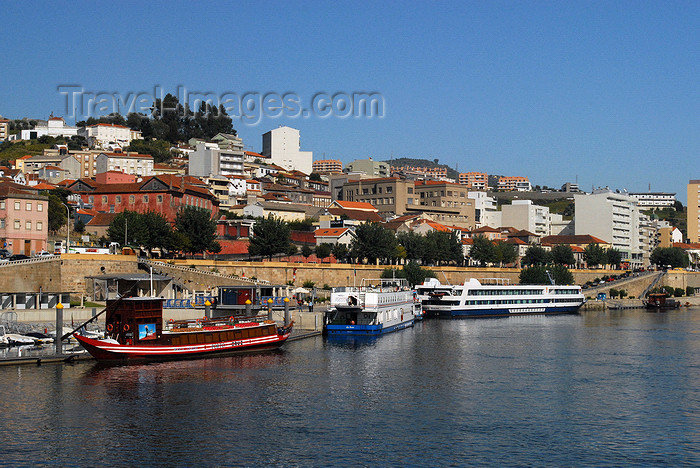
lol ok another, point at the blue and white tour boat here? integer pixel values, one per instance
(374, 308)
(495, 297)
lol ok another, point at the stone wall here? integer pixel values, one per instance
(75, 267)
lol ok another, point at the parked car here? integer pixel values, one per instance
(44, 253)
(13, 258)
(4, 253)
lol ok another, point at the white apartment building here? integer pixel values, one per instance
(4, 129)
(54, 127)
(523, 214)
(140, 165)
(614, 218)
(282, 146)
(484, 206)
(208, 159)
(654, 199)
(109, 136)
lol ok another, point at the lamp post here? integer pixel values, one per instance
(67, 228)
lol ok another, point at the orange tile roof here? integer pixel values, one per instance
(332, 232)
(351, 205)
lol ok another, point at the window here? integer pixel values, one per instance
(17, 224)
(2, 205)
(410, 190)
(28, 206)
(40, 206)
(91, 199)
(104, 199)
(389, 189)
(131, 199)
(39, 225)
(28, 225)
(119, 198)
(159, 198)
(17, 206)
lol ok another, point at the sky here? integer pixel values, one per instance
(602, 93)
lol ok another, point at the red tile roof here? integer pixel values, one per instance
(573, 239)
(332, 232)
(351, 205)
(357, 215)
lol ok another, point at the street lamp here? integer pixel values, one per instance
(67, 228)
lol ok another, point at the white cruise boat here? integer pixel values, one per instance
(374, 308)
(494, 297)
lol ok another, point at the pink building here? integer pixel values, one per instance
(115, 177)
(24, 219)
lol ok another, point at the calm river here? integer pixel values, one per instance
(603, 388)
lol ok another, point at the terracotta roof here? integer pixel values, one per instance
(357, 215)
(467, 241)
(573, 239)
(485, 229)
(332, 232)
(102, 219)
(687, 246)
(437, 226)
(302, 236)
(351, 205)
(44, 186)
(515, 240)
(108, 125)
(8, 188)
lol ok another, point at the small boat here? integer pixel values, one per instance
(15, 339)
(4, 342)
(40, 338)
(495, 297)
(374, 308)
(136, 332)
(657, 301)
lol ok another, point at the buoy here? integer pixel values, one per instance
(126, 327)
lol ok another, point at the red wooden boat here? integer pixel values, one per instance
(135, 332)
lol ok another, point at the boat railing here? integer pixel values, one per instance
(495, 281)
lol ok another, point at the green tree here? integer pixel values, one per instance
(613, 292)
(79, 226)
(412, 272)
(57, 212)
(614, 257)
(159, 149)
(373, 242)
(340, 252)
(315, 176)
(536, 255)
(562, 255)
(442, 247)
(271, 236)
(125, 228)
(155, 232)
(323, 251)
(675, 257)
(197, 224)
(413, 243)
(306, 252)
(483, 251)
(506, 253)
(595, 255)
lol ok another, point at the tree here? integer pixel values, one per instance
(673, 257)
(536, 255)
(373, 242)
(159, 149)
(442, 247)
(270, 237)
(483, 250)
(79, 226)
(594, 255)
(413, 243)
(562, 255)
(306, 252)
(412, 272)
(315, 176)
(323, 251)
(506, 253)
(340, 252)
(155, 232)
(56, 212)
(125, 228)
(614, 257)
(198, 225)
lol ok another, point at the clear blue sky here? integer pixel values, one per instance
(608, 92)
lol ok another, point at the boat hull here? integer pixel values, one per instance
(498, 312)
(367, 330)
(114, 352)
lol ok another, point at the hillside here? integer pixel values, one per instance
(423, 163)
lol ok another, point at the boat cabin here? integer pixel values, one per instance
(661, 301)
(232, 299)
(134, 320)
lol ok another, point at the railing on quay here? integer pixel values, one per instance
(155, 264)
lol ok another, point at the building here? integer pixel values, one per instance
(66, 162)
(282, 145)
(209, 159)
(24, 219)
(614, 218)
(4, 129)
(115, 177)
(483, 205)
(515, 183)
(327, 166)
(475, 180)
(333, 236)
(647, 200)
(669, 235)
(693, 212)
(54, 127)
(163, 194)
(390, 195)
(447, 202)
(141, 165)
(523, 214)
(370, 167)
(109, 136)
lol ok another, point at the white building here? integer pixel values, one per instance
(654, 199)
(282, 146)
(208, 159)
(109, 136)
(139, 165)
(523, 214)
(484, 207)
(614, 218)
(54, 127)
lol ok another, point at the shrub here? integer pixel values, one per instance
(614, 292)
(309, 284)
(622, 293)
(678, 292)
(689, 291)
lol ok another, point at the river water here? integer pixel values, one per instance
(615, 388)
